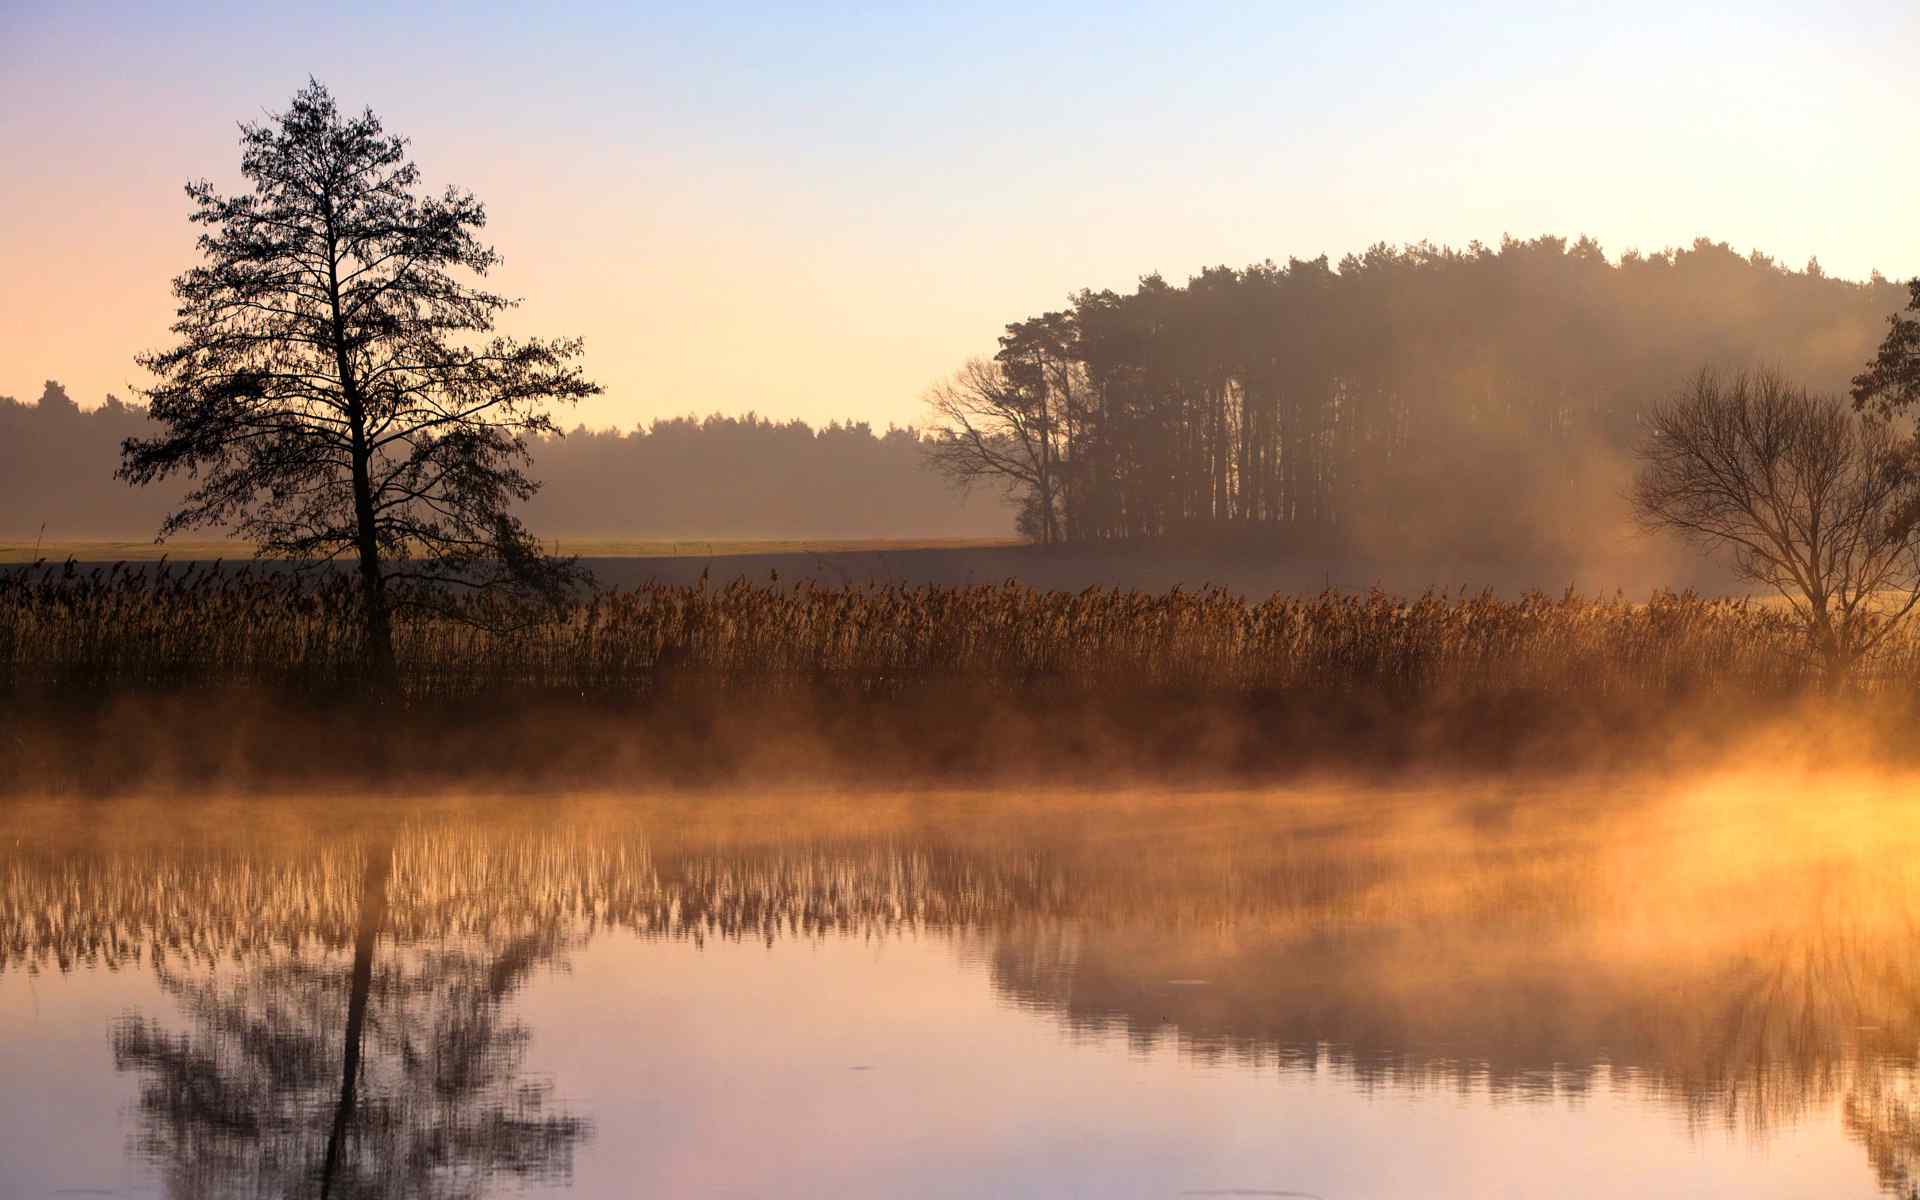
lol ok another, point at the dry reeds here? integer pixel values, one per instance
(66, 634)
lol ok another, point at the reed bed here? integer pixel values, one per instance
(71, 635)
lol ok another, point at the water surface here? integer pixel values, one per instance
(1697, 986)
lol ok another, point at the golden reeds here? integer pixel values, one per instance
(70, 633)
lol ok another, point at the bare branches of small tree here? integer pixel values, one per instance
(1809, 498)
(988, 429)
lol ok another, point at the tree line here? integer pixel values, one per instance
(751, 476)
(1409, 401)
(337, 391)
(688, 477)
(56, 469)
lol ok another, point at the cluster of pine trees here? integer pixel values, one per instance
(1406, 400)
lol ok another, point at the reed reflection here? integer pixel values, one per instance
(388, 1070)
(1506, 945)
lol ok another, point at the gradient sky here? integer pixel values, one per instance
(818, 213)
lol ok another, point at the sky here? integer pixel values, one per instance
(818, 212)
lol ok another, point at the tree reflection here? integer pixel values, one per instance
(348, 1032)
(394, 1072)
(1886, 1123)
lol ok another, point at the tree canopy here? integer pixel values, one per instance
(1404, 402)
(1891, 382)
(1811, 500)
(334, 390)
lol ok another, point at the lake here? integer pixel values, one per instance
(1700, 984)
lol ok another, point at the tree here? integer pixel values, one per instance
(1811, 499)
(990, 426)
(1417, 400)
(1891, 382)
(333, 392)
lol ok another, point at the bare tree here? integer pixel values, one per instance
(1811, 500)
(988, 429)
(334, 392)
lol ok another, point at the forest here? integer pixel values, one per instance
(1493, 405)
(1414, 402)
(713, 477)
(1417, 403)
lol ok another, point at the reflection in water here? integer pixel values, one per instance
(1740, 955)
(417, 1092)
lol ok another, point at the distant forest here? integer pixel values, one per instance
(1416, 402)
(1413, 404)
(717, 477)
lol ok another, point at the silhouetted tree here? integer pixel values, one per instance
(999, 425)
(1891, 382)
(330, 394)
(1419, 401)
(1401, 403)
(1811, 500)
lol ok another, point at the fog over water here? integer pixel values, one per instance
(1470, 988)
(1311, 602)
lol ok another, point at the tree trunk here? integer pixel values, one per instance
(373, 913)
(373, 584)
(1832, 644)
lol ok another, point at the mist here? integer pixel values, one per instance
(1417, 415)
(1236, 686)
(745, 477)
(1419, 404)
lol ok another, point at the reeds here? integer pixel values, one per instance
(66, 634)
